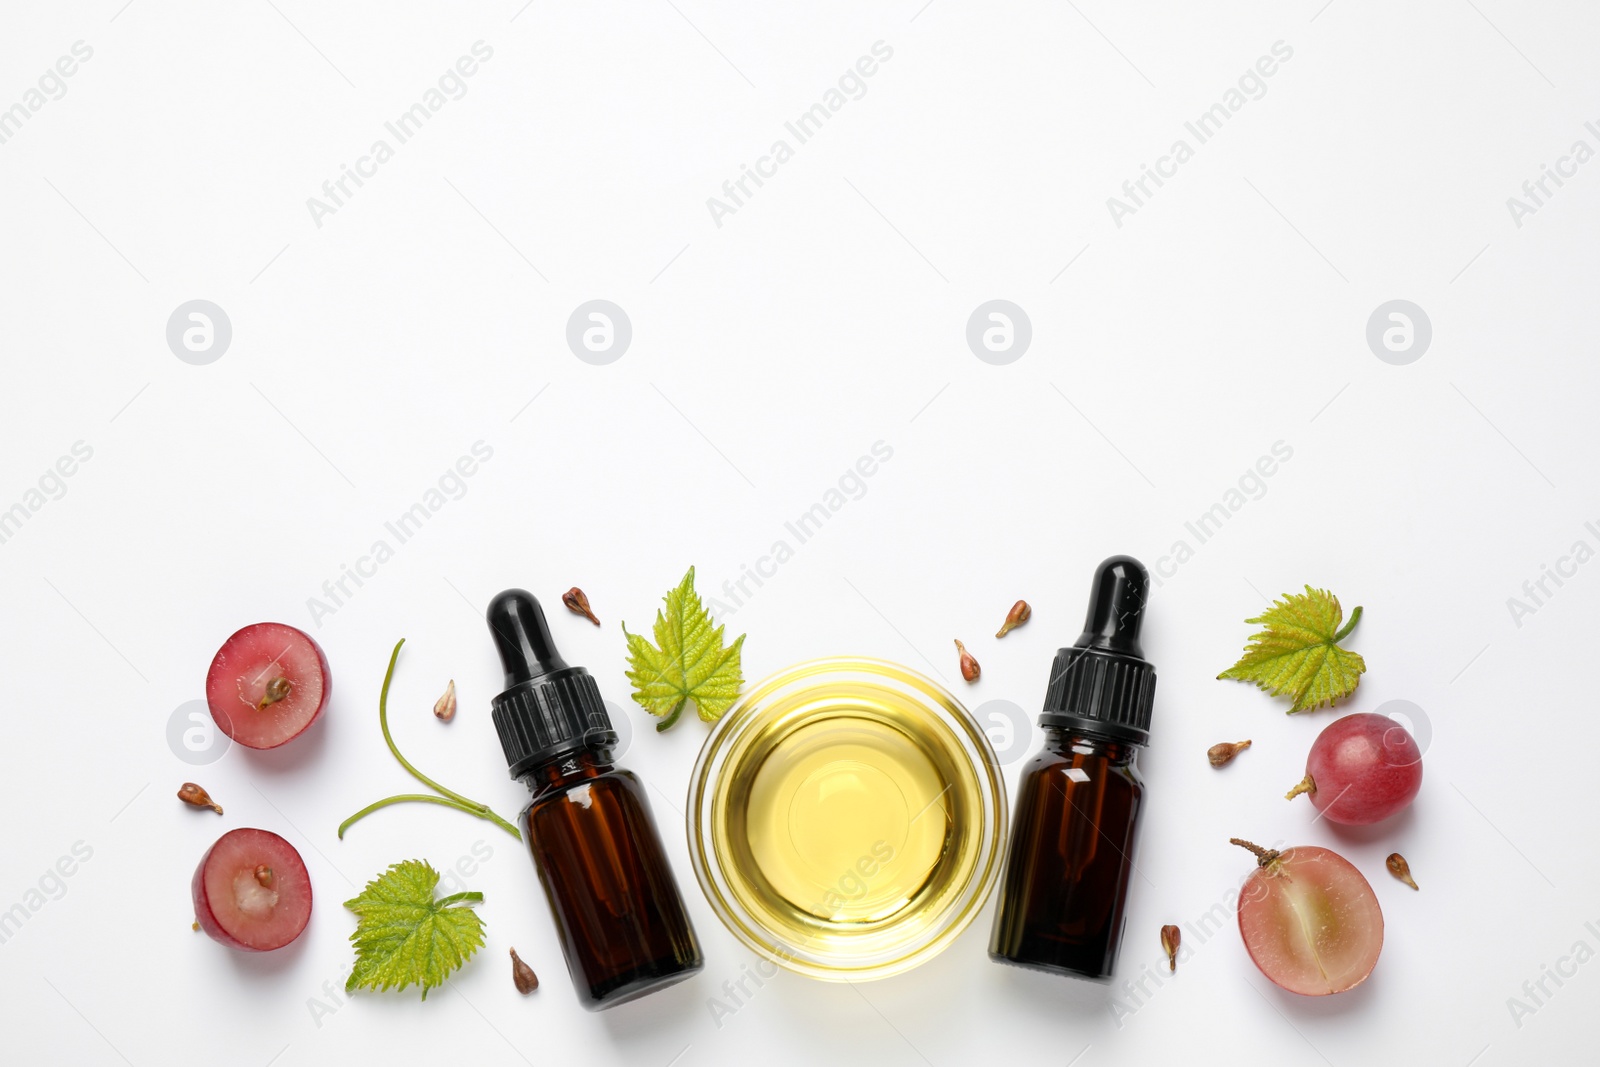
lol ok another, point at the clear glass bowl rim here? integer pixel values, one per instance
(976, 750)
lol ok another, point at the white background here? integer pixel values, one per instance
(768, 354)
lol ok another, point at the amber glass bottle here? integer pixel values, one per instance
(1061, 907)
(623, 927)
(1064, 893)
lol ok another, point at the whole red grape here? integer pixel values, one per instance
(1362, 769)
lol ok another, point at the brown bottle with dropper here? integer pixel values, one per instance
(1065, 888)
(617, 908)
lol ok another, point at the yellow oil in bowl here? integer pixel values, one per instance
(846, 818)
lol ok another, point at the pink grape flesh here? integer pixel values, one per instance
(1311, 922)
(241, 671)
(232, 905)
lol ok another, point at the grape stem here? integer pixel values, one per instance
(1355, 617)
(672, 716)
(1305, 785)
(1263, 856)
(447, 797)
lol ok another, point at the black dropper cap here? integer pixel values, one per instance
(1102, 684)
(548, 709)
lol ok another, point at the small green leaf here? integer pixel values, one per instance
(404, 936)
(688, 661)
(1298, 652)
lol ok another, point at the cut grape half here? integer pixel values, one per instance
(1310, 920)
(266, 684)
(251, 891)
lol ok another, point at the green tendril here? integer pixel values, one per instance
(447, 797)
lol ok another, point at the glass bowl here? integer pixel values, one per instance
(846, 818)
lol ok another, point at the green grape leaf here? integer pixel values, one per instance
(1298, 653)
(689, 661)
(404, 936)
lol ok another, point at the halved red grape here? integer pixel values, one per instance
(1362, 769)
(251, 891)
(266, 684)
(1309, 920)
